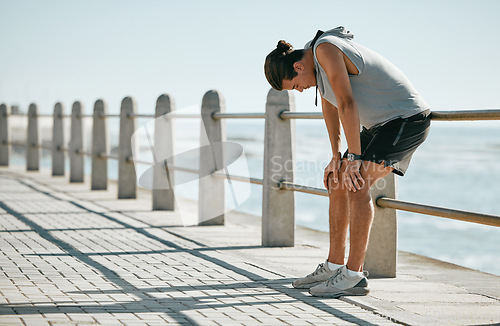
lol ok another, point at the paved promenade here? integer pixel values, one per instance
(72, 256)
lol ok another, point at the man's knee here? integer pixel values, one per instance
(336, 187)
(362, 194)
(370, 173)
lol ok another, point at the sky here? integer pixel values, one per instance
(65, 51)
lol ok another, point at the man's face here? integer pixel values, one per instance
(304, 80)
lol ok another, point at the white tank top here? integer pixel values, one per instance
(381, 91)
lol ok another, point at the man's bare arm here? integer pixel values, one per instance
(332, 121)
(332, 61)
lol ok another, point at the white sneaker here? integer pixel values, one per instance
(341, 284)
(321, 274)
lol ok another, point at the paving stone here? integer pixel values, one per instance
(64, 264)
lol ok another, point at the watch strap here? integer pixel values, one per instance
(353, 157)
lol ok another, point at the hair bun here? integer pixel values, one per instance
(283, 47)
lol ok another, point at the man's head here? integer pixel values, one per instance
(286, 68)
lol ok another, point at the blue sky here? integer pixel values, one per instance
(84, 50)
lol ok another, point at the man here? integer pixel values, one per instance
(357, 87)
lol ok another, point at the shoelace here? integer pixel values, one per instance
(337, 277)
(318, 269)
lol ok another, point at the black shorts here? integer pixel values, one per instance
(395, 141)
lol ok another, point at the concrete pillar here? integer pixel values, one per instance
(127, 182)
(99, 178)
(211, 205)
(4, 135)
(32, 140)
(76, 159)
(163, 179)
(278, 206)
(58, 155)
(382, 252)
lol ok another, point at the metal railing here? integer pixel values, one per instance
(277, 210)
(470, 115)
(453, 214)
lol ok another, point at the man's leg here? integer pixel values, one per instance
(339, 222)
(361, 214)
(360, 209)
(338, 218)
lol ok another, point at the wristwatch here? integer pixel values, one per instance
(353, 157)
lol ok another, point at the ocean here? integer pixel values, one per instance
(457, 167)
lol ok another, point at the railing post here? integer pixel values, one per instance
(99, 177)
(76, 159)
(32, 140)
(381, 255)
(211, 206)
(163, 179)
(278, 206)
(58, 157)
(127, 182)
(4, 135)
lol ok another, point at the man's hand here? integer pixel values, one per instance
(352, 177)
(332, 167)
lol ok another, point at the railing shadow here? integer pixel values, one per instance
(177, 306)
